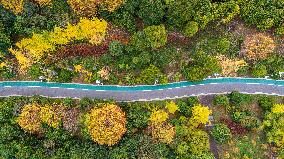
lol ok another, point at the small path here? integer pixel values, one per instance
(194, 90)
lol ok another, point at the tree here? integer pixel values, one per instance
(151, 12)
(15, 6)
(259, 70)
(151, 37)
(106, 125)
(200, 115)
(221, 133)
(150, 75)
(230, 67)
(200, 67)
(190, 29)
(162, 132)
(171, 107)
(183, 11)
(258, 46)
(274, 125)
(221, 100)
(158, 117)
(226, 11)
(31, 50)
(29, 119)
(90, 7)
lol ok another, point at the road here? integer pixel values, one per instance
(171, 93)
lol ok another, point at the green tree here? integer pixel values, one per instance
(151, 12)
(200, 67)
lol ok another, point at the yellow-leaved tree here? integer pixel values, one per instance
(29, 119)
(31, 50)
(230, 66)
(16, 6)
(172, 107)
(200, 115)
(33, 115)
(90, 7)
(159, 116)
(43, 2)
(163, 132)
(106, 125)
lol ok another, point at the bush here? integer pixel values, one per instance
(171, 107)
(115, 48)
(200, 67)
(184, 108)
(221, 133)
(151, 12)
(237, 99)
(150, 75)
(266, 103)
(151, 37)
(225, 11)
(183, 11)
(137, 117)
(190, 29)
(259, 71)
(200, 115)
(262, 13)
(106, 125)
(221, 100)
(250, 122)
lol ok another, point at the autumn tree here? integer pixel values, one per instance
(90, 7)
(106, 125)
(43, 2)
(162, 132)
(200, 115)
(230, 66)
(16, 6)
(159, 116)
(31, 50)
(257, 47)
(29, 119)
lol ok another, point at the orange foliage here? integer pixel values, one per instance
(258, 46)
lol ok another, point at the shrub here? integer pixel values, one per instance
(150, 75)
(221, 133)
(151, 37)
(200, 67)
(158, 117)
(183, 11)
(258, 46)
(266, 103)
(259, 71)
(115, 48)
(237, 99)
(151, 12)
(163, 132)
(261, 13)
(198, 142)
(81, 50)
(106, 125)
(273, 125)
(190, 29)
(250, 122)
(184, 108)
(51, 115)
(226, 11)
(171, 107)
(137, 117)
(200, 115)
(221, 100)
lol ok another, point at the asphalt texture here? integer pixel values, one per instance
(173, 93)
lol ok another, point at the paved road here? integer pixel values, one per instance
(145, 95)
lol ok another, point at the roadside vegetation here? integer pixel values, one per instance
(131, 42)
(228, 126)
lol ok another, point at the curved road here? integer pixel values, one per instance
(144, 95)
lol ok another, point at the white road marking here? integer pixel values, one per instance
(34, 86)
(213, 83)
(252, 83)
(146, 90)
(8, 86)
(54, 87)
(85, 89)
(70, 88)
